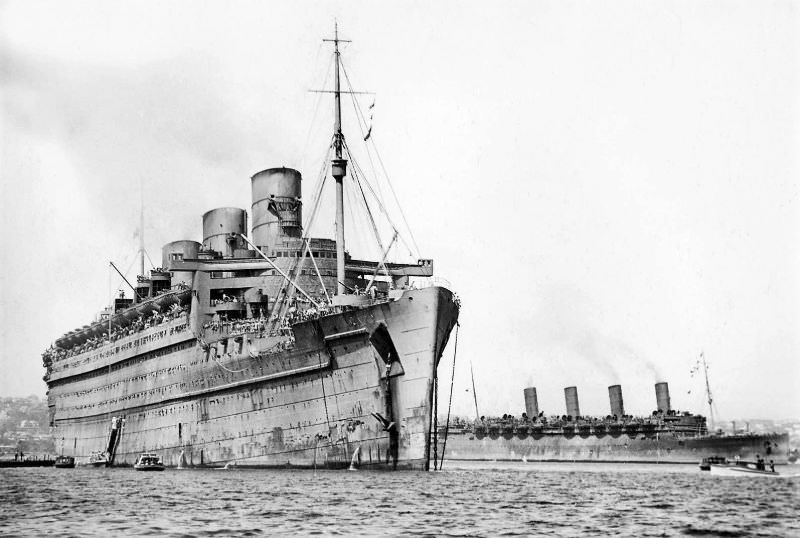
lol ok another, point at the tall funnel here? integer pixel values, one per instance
(222, 228)
(662, 397)
(531, 402)
(571, 395)
(277, 210)
(615, 397)
(178, 251)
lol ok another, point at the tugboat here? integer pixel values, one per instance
(148, 462)
(65, 462)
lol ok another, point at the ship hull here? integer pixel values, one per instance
(318, 403)
(622, 447)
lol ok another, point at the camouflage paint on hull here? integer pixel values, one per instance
(616, 447)
(264, 403)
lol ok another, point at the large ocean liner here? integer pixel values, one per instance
(269, 350)
(665, 436)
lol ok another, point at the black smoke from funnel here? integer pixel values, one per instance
(564, 320)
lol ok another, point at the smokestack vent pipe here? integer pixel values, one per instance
(662, 397)
(615, 398)
(571, 396)
(531, 402)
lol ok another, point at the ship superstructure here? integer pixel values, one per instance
(269, 350)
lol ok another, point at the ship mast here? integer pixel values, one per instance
(338, 165)
(474, 394)
(708, 391)
(141, 227)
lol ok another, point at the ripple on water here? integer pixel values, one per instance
(511, 500)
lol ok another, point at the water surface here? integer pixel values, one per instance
(508, 499)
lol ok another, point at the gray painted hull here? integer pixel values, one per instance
(618, 447)
(259, 401)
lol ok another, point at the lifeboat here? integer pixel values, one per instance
(631, 429)
(148, 308)
(99, 328)
(165, 301)
(599, 429)
(130, 315)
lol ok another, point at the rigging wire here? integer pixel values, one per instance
(386, 175)
(319, 275)
(133, 260)
(435, 411)
(148, 259)
(324, 397)
(396, 200)
(450, 402)
(355, 174)
(356, 230)
(362, 219)
(367, 226)
(380, 205)
(318, 186)
(357, 169)
(361, 120)
(383, 253)
(287, 289)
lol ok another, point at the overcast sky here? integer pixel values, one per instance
(610, 187)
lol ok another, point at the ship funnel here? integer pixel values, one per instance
(662, 397)
(571, 395)
(222, 229)
(531, 402)
(615, 397)
(277, 210)
(178, 251)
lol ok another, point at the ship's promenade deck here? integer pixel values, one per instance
(681, 424)
(107, 352)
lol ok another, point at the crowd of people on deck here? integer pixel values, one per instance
(226, 299)
(509, 420)
(295, 315)
(247, 325)
(301, 309)
(55, 354)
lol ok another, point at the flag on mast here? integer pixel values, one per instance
(371, 114)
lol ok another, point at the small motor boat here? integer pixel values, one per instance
(65, 462)
(743, 468)
(148, 462)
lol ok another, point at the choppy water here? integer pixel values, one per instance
(469, 500)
